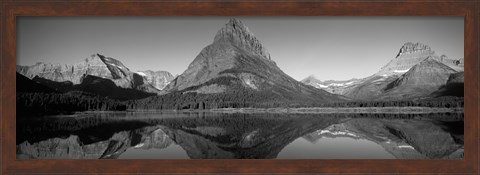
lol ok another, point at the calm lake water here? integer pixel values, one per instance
(214, 135)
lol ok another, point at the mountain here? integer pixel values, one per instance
(332, 86)
(236, 62)
(420, 81)
(94, 70)
(96, 65)
(411, 54)
(159, 79)
(416, 71)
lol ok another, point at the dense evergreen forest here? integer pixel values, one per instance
(38, 103)
(180, 101)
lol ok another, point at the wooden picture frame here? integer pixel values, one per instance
(10, 9)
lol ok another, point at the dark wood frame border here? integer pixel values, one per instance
(11, 9)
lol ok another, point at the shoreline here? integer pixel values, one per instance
(323, 110)
(314, 110)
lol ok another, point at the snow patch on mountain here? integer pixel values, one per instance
(401, 71)
(406, 146)
(142, 74)
(321, 85)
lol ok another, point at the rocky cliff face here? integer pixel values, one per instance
(159, 79)
(97, 66)
(236, 59)
(238, 34)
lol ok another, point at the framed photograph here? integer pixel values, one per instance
(239, 87)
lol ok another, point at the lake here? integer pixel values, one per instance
(218, 135)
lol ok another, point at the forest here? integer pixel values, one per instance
(38, 103)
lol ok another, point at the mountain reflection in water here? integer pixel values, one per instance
(210, 135)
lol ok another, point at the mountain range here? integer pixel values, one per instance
(98, 74)
(416, 72)
(236, 70)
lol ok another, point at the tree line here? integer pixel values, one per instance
(35, 103)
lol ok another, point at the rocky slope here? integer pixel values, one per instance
(159, 79)
(237, 60)
(94, 70)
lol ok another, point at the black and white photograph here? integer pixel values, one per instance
(240, 87)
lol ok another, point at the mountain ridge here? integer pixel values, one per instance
(97, 65)
(375, 86)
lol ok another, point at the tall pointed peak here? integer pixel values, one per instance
(236, 33)
(237, 25)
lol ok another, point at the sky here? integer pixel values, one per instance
(330, 48)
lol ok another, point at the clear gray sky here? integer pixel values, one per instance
(328, 47)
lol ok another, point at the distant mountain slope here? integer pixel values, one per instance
(159, 79)
(332, 86)
(237, 61)
(369, 88)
